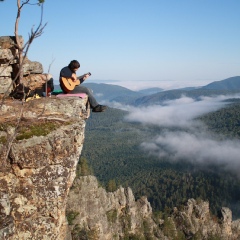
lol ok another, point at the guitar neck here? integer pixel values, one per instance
(82, 76)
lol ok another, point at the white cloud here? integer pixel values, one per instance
(175, 113)
(164, 84)
(192, 142)
(196, 148)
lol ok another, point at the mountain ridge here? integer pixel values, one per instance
(226, 84)
(149, 96)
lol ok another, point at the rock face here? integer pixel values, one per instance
(9, 67)
(37, 172)
(7, 52)
(195, 220)
(97, 214)
(94, 213)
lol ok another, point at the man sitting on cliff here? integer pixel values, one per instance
(68, 75)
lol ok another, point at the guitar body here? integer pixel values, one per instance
(68, 84)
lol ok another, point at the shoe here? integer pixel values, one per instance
(99, 108)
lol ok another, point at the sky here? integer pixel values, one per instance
(134, 43)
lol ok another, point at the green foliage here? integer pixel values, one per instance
(147, 230)
(83, 168)
(71, 216)
(169, 229)
(4, 126)
(111, 186)
(180, 236)
(214, 237)
(38, 129)
(27, 128)
(225, 122)
(197, 236)
(112, 215)
(125, 220)
(81, 233)
(3, 140)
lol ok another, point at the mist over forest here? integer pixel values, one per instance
(170, 146)
(191, 141)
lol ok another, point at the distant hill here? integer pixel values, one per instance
(109, 92)
(159, 98)
(224, 87)
(150, 91)
(232, 83)
(155, 96)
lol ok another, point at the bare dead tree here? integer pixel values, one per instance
(21, 54)
(22, 50)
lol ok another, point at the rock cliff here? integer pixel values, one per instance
(94, 213)
(40, 196)
(33, 76)
(38, 169)
(40, 144)
(97, 214)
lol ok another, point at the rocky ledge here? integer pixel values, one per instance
(40, 144)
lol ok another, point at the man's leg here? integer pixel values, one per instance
(82, 89)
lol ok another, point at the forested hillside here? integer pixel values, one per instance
(226, 121)
(110, 92)
(112, 148)
(196, 94)
(231, 83)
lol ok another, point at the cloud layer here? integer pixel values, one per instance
(192, 142)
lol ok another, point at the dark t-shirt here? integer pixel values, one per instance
(67, 73)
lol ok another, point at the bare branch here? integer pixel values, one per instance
(24, 49)
(21, 54)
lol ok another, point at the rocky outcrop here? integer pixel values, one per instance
(38, 157)
(94, 213)
(9, 68)
(195, 220)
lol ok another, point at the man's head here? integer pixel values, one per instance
(74, 65)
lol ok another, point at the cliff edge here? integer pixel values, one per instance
(40, 144)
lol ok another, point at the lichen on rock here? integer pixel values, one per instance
(37, 172)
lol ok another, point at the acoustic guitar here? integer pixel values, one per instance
(68, 84)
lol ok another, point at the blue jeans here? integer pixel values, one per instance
(82, 89)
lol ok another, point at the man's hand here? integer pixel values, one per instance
(74, 77)
(86, 76)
